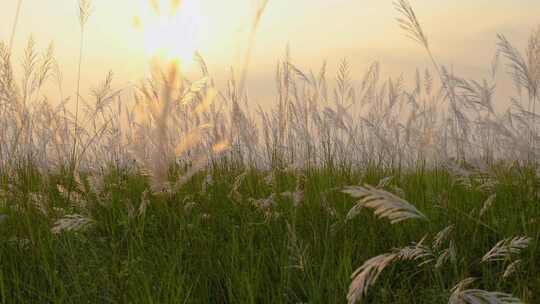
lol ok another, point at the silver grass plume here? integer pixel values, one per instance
(384, 204)
(418, 252)
(506, 248)
(72, 222)
(511, 269)
(85, 10)
(366, 275)
(409, 22)
(461, 295)
(523, 74)
(442, 236)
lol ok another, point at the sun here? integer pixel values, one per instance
(170, 29)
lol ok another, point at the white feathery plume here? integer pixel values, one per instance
(461, 295)
(366, 275)
(504, 249)
(384, 203)
(442, 236)
(417, 251)
(511, 269)
(72, 222)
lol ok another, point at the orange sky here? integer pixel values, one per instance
(462, 34)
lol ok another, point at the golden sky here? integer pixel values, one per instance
(462, 34)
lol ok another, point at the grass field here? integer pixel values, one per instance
(215, 241)
(176, 191)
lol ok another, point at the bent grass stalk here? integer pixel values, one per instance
(15, 23)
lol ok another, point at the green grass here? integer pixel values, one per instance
(198, 245)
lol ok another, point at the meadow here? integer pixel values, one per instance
(177, 191)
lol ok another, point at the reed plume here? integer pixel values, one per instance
(385, 204)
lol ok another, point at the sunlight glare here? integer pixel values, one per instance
(170, 29)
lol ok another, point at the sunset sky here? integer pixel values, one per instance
(462, 34)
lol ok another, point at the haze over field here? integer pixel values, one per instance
(462, 34)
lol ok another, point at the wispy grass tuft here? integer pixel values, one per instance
(385, 204)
